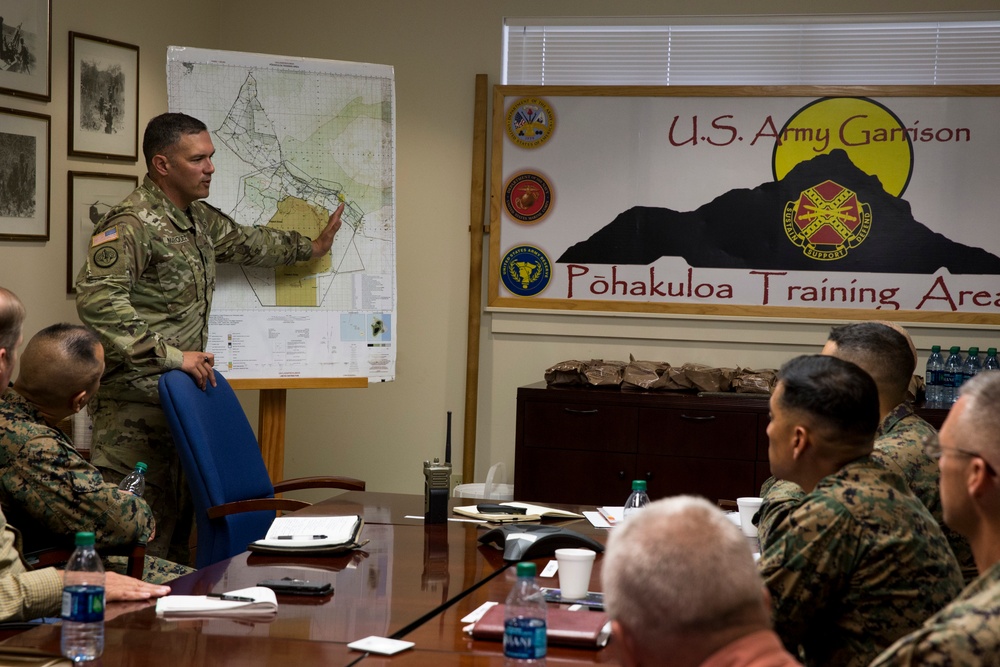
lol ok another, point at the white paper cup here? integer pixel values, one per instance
(749, 506)
(574, 572)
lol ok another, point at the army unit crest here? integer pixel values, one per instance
(827, 221)
(530, 122)
(525, 270)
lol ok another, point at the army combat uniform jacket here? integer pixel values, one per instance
(148, 282)
(854, 565)
(966, 632)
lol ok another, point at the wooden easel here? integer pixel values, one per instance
(271, 415)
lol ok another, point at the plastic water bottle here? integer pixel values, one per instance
(952, 375)
(135, 481)
(524, 620)
(935, 368)
(637, 499)
(971, 367)
(991, 363)
(83, 602)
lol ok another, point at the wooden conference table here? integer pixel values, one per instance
(411, 581)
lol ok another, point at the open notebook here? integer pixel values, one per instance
(311, 535)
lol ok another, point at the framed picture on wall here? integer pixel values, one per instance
(24, 175)
(90, 195)
(26, 49)
(103, 98)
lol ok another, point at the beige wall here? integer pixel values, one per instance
(436, 47)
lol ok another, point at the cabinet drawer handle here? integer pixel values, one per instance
(696, 418)
(580, 412)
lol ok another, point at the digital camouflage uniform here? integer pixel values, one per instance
(899, 448)
(147, 289)
(855, 565)
(966, 632)
(53, 493)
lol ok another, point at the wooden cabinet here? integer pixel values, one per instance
(585, 445)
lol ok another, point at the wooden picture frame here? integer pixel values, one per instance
(26, 49)
(832, 202)
(103, 98)
(25, 139)
(89, 196)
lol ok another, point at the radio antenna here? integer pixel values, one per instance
(447, 442)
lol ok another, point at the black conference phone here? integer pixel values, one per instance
(525, 542)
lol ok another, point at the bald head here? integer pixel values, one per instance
(11, 321)
(61, 365)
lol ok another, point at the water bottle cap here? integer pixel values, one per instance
(85, 539)
(526, 569)
(935, 348)
(973, 350)
(954, 349)
(141, 466)
(638, 485)
(992, 352)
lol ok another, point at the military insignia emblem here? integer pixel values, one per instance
(525, 270)
(530, 122)
(105, 257)
(527, 197)
(827, 221)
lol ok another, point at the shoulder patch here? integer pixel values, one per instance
(110, 234)
(105, 257)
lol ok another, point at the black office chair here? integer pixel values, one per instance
(232, 491)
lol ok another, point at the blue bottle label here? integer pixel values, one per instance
(524, 638)
(83, 604)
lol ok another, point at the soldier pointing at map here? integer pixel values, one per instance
(147, 289)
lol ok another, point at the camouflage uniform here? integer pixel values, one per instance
(898, 448)
(856, 564)
(53, 492)
(147, 290)
(966, 632)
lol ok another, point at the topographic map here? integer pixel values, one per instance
(295, 137)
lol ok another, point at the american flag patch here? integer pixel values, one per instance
(104, 237)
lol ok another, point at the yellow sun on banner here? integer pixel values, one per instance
(873, 137)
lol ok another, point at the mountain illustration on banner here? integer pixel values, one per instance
(824, 215)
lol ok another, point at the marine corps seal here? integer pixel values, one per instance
(527, 197)
(530, 122)
(827, 221)
(525, 270)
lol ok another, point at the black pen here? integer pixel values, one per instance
(229, 598)
(301, 537)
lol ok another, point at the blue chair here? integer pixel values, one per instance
(232, 491)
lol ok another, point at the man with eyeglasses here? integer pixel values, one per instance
(967, 631)
(858, 562)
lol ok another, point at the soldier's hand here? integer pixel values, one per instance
(199, 366)
(323, 242)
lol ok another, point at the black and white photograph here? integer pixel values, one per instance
(26, 48)
(24, 175)
(91, 195)
(104, 98)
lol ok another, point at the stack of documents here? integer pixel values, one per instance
(531, 513)
(256, 603)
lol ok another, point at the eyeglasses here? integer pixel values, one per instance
(934, 449)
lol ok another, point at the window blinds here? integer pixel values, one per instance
(777, 53)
